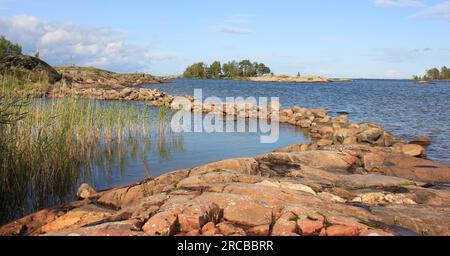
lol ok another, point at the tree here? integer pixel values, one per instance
(245, 67)
(196, 70)
(433, 74)
(263, 70)
(445, 73)
(215, 70)
(231, 69)
(9, 48)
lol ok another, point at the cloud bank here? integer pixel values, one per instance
(235, 30)
(67, 43)
(440, 11)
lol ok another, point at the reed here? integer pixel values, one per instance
(48, 145)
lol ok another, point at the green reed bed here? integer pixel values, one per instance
(47, 145)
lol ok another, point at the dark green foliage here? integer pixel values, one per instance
(7, 48)
(215, 70)
(231, 69)
(196, 70)
(435, 74)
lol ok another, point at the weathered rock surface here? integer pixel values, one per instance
(351, 180)
(88, 77)
(283, 194)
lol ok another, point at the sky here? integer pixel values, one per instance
(332, 38)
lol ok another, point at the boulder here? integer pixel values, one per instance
(195, 216)
(320, 113)
(371, 135)
(162, 224)
(296, 109)
(421, 140)
(413, 150)
(309, 227)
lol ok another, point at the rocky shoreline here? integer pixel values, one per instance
(352, 180)
(296, 79)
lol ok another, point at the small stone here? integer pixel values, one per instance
(86, 192)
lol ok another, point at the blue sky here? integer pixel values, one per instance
(345, 38)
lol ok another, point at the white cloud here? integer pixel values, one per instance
(399, 3)
(66, 43)
(439, 11)
(235, 30)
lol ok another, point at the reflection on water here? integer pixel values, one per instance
(401, 106)
(124, 155)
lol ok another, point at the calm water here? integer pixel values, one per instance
(402, 107)
(168, 151)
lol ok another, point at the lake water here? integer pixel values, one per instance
(402, 107)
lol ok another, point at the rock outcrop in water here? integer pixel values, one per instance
(296, 79)
(352, 180)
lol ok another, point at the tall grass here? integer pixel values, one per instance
(17, 82)
(48, 145)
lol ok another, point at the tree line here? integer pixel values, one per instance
(435, 74)
(231, 69)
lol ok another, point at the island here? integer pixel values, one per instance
(248, 71)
